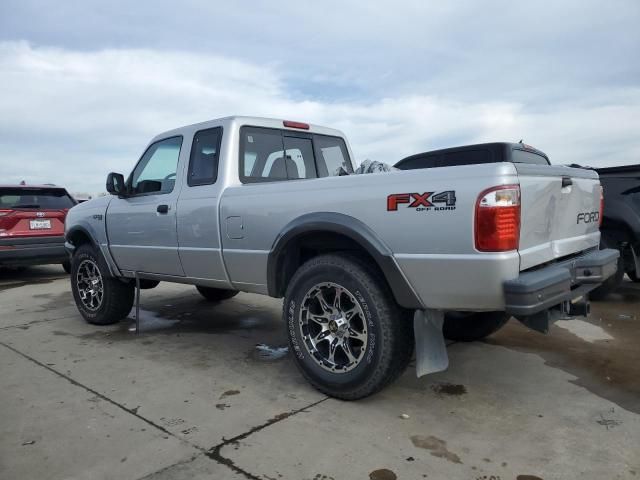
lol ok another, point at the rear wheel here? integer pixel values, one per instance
(101, 299)
(469, 327)
(346, 332)
(216, 294)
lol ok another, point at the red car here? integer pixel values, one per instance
(32, 224)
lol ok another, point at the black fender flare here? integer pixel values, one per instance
(70, 247)
(349, 227)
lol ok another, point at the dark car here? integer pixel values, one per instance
(620, 225)
(32, 224)
(621, 222)
(475, 154)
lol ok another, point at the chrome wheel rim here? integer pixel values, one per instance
(333, 327)
(89, 285)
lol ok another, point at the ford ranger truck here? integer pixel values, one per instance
(368, 265)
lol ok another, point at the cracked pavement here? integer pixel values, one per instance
(190, 397)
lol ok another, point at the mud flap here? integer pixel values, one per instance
(431, 351)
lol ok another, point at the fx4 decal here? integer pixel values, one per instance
(423, 202)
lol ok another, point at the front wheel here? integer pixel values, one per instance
(346, 332)
(101, 299)
(469, 327)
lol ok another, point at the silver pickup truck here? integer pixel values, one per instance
(368, 265)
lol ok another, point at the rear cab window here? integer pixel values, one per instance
(268, 154)
(35, 198)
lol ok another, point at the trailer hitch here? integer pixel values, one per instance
(541, 321)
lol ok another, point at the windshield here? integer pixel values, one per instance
(41, 198)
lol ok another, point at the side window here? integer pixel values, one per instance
(156, 170)
(332, 156)
(203, 162)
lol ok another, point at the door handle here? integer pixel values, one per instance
(162, 209)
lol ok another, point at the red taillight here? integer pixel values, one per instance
(4, 219)
(300, 125)
(601, 204)
(497, 225)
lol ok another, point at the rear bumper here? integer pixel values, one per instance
(32, 251)
(539, 290)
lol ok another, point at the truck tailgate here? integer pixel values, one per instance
(556, 220)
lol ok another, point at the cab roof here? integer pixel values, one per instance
(237, 121)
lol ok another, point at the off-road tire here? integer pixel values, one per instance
(390, 328)
(469, 327)
(216, 294)
(117, 297)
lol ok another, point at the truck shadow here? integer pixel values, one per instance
(253, 324)
(13, 277)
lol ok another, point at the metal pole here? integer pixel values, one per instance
(137, 303)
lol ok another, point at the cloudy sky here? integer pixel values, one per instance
(84, 85)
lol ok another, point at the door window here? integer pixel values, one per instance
(156, 170)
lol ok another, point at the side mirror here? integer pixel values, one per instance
(115, 184)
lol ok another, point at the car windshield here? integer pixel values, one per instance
(42, 198)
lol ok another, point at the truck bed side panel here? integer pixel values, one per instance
(433, 246)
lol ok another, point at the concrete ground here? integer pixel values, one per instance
(192, 397)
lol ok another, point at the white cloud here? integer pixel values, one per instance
(70, 117)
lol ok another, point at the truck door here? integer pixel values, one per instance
(198, 235)
(142, 227)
